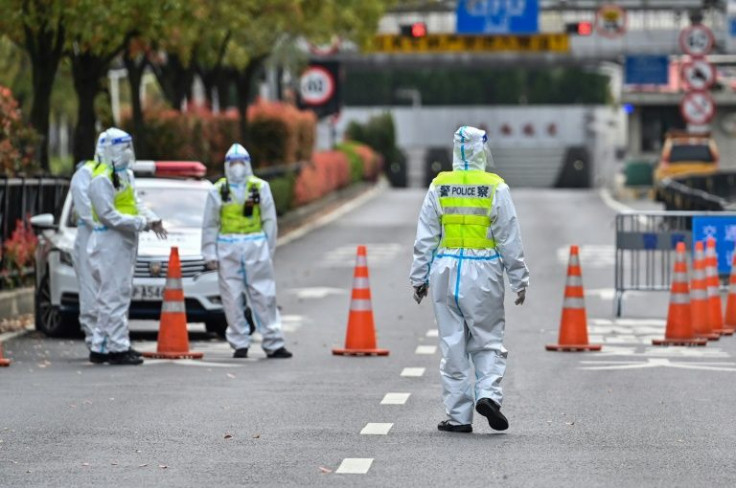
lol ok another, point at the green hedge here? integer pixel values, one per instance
(356, 163)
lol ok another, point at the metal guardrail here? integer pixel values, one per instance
(645, 247)
(21, 197)
(705, 192)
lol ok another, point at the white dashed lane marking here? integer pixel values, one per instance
(376, 429)
(426, 350)
(433, 333)
(395, 398)
(355, 466)
(412, 372)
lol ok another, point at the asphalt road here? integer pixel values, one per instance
(629, 416)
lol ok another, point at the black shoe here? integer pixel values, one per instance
(98, 357)
(280, 353)
(241, 353)
(446, 426)
(135, 353)
(492, 411)
(125, 358)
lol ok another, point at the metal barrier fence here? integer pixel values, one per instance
(645, 247)
(21, 197)
(712, 191)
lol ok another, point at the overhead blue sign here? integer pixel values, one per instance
(647, 70)
(497, 16)
(723, 230)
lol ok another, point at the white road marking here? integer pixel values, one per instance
(433, 333)
(591, 256)
(354, 466)
(195, 362)
(413, 372)
(376, 429)
(316, 292)
(395, 398)
(426, 350)
(656, 363)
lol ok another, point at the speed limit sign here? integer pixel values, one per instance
(316, 86)
(696, 40)
(697, 107)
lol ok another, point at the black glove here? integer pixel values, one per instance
(420, 292)
(520, 297)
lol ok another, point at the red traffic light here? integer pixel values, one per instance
(585, 28)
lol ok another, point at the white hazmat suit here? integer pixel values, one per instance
(82, 267)
(244, 259)
(114, 244)
(466, 284)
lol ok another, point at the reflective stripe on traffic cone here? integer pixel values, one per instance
(361, 337)
(715, 305)
(729, 323)
(173, 337)
(574, 324)
(3, 362)
(679, 330)
(699, 297)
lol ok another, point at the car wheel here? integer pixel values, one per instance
(216, 326)
(49, 319)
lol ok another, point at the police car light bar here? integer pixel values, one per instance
(170, 169)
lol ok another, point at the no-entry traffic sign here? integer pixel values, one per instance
(698, 74)
(697, 107)
(696, 40)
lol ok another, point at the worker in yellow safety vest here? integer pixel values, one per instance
(118, 218)
(79, 188)
(239, 240)
(467, 236)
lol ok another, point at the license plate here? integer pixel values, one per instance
(148, 293)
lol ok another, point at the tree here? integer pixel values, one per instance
(39, 27)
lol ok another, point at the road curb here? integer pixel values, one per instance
(16, 302)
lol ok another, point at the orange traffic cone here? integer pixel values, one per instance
(361, 336)
(715, 305)
(729, 324)
(173, 338)
(679, 330)
(3, 361)
(574, 324)
(699, 297)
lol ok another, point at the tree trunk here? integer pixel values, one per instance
(175, 80)
(136, 67)
(45, 49)
(243, 84)
(87, 70)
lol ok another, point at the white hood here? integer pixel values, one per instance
(470, 151)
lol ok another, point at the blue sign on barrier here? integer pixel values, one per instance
(647, 70)
(497, 16)
(723, 230)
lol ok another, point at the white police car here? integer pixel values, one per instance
(176, 192)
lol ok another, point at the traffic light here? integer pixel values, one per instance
(579, 28)
(416, 30)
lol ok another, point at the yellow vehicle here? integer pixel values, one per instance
(686, 153)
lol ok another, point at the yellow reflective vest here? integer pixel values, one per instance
(466, 198)
(232, 217)
(124, 196)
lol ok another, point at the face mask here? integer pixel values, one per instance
(237, 172)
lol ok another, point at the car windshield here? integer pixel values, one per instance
(177, 207)
(682, 153)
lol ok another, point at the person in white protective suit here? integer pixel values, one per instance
(118, 218)
(83, 269)
(467, 235)
(239, 240)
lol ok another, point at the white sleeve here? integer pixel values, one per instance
(429, 234)
(211, 225)
(268, 216)
(80, 195)
(507, 234)
(102, 196)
